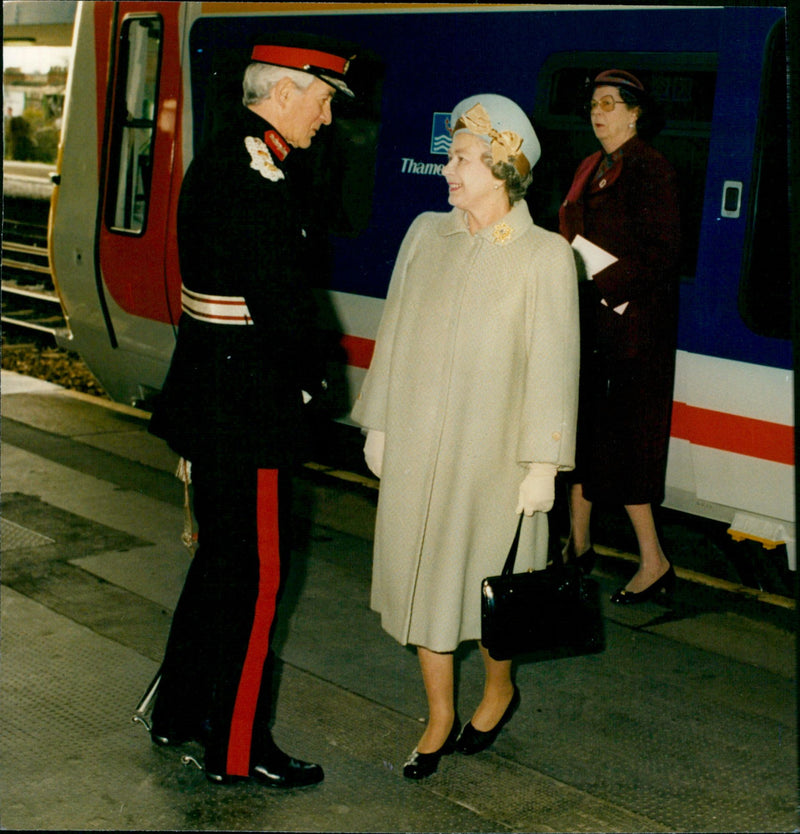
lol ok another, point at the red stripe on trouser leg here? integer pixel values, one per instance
(244, 710)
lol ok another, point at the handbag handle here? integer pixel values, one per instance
(508, 567)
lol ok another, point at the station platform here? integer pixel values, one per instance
(685, 723)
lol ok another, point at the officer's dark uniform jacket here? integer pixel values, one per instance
(235, 389)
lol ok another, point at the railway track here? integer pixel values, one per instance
(33, 321)
(29, 299)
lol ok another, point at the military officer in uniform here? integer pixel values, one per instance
(246, 360)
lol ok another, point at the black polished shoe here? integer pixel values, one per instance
(420, 765)
(277, 771)
(664, 585)
(286, 772)
(173, 736)
(472, 741)
(167, 738)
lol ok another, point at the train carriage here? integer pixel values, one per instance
(150, 79)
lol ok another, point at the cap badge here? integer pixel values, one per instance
(262, 159)
(501, 233)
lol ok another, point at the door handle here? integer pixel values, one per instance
(731, 199)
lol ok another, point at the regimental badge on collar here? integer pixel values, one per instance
(501, 233)
(262, 159)
(276, 144)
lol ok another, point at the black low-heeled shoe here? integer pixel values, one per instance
(420, 765)
(664, 585)
(472, 741)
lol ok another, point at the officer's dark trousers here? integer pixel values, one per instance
(216, 672)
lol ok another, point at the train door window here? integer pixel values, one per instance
(683, 83)
(134, 127)
(765, 291)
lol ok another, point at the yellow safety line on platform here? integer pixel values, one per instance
(708, 581)
(343, 475)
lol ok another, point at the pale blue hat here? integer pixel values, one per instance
(501, 123)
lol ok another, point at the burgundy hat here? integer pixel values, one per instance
(616, 78)
(307, 53)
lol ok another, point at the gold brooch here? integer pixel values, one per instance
(501, 233)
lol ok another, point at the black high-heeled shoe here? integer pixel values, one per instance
(420, 765)
(472, 741)
(664, 585)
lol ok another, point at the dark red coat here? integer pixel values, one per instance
(632, 212)
(628, 360)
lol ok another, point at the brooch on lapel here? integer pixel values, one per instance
(501, 233)
(262, 159)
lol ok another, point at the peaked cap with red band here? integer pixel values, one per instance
(307, 53)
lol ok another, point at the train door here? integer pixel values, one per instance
(139, 155)
(119, 173)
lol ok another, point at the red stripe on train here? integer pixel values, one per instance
(359, 351)
(701, 426)
(732, 433)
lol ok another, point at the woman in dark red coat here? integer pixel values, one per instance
(624, 200)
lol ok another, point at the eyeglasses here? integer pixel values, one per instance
(606, 104)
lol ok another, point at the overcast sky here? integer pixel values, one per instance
(33, 59)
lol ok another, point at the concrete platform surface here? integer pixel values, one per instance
(686, 722)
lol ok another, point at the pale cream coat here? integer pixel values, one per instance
(475, 376)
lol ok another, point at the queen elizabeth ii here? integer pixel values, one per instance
(470, 408)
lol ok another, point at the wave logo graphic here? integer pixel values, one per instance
(440, 134)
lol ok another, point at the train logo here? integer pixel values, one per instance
(440, 134)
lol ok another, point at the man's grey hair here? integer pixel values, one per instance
(259, 79)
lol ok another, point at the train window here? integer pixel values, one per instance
(765, 291)
(340, 166)
(683, 83)
(134, 127)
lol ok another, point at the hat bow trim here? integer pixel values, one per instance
(505, 145)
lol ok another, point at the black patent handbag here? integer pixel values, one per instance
(546, 614)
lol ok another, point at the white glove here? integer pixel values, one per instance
(373, 451)
(538, 491)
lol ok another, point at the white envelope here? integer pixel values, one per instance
(595, 259)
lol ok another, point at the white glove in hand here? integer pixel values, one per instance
(373, 451)
(538, 491)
